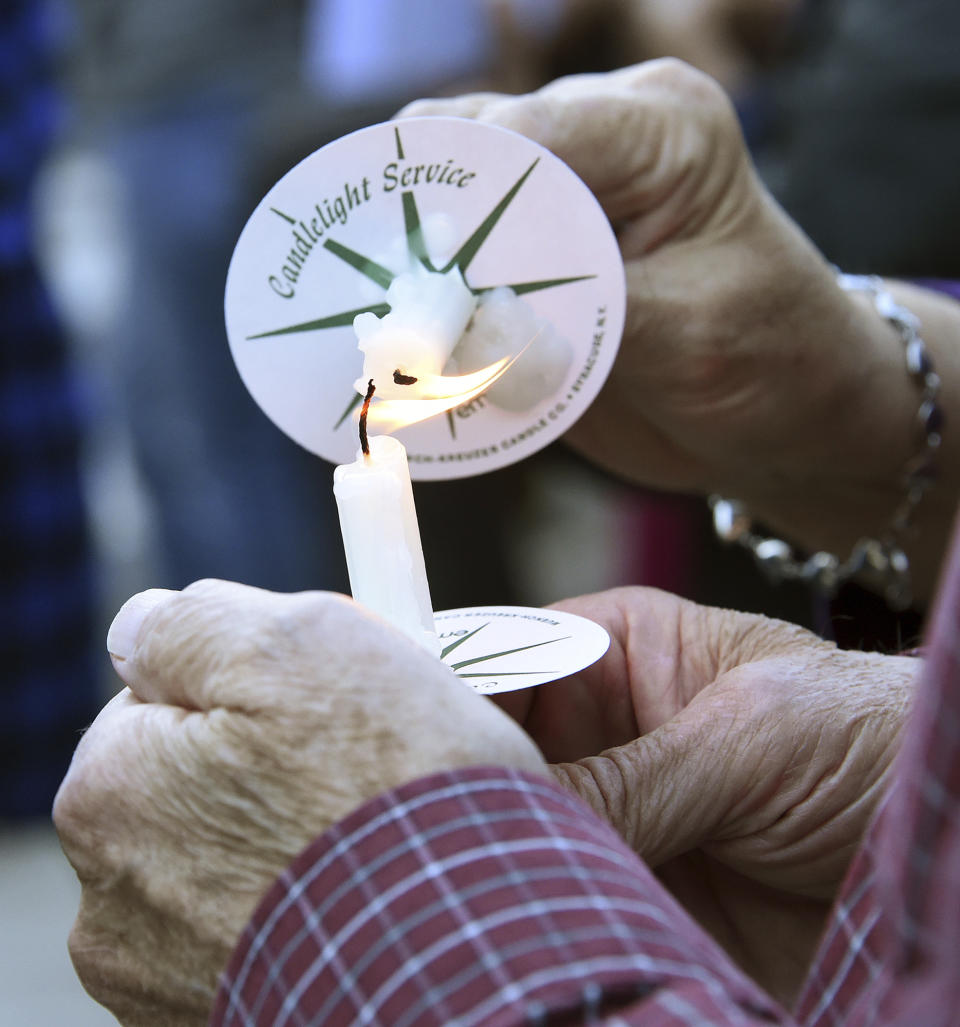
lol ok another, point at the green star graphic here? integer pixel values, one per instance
(416, 247)
(458, 667)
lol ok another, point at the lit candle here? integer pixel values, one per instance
(381, 539)
(405, 353)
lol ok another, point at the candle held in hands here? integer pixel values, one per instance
(381, 539)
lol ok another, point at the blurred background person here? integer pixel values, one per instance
(50, 657)
(170, 107)
(49, 687)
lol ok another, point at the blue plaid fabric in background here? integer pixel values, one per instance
(48, 681)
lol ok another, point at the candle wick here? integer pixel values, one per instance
(364, 442)
(399, 378)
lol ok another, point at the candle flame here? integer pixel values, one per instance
(436, 394)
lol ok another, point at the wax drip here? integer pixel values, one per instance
(364, 442)
(399, 378)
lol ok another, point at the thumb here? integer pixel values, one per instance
(669, 791)
(127, 627)
(188, 648)
(222, 645)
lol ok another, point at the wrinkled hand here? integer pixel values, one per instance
(744, 369)
(251, 723)
(742, 757)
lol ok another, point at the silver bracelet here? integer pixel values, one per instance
(881, 562)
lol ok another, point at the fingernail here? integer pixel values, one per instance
(125, 629)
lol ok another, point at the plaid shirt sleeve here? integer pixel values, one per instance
(890, 953)
(478, 897)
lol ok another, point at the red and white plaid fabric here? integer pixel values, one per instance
(491, 897)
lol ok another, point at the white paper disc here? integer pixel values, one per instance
(327, 239)
(504, 648)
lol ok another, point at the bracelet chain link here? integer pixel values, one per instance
(881, 562)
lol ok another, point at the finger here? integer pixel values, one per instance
(632, 135)
(108, 774)
(202, 647)
(218, 644)
(109, 724)
(631, 689)
(179, 647)
(125, 629)
(467, 106)
(548, 713)
(669, 791)
(661, 653)
(664, 651)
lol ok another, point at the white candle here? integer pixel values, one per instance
(428, 314)
(381, 539)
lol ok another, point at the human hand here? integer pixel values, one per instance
(251, 723)
(740, 756)
(744, 369)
